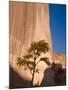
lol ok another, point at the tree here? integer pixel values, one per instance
(29, 61)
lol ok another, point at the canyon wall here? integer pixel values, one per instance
(28, 22)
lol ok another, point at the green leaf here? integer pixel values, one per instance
(37, 70)
(21, 62)
(46, 60)
(34, 52)
(25, 62)
(30, 68)
(38, 47)
(28, 56)
(30, 63)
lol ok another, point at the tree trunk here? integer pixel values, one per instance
(32, 78)
(33, 73)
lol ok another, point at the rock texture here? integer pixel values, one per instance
(59, 58)
(28, 22)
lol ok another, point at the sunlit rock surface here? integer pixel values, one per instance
(29, 22)
(59, 58)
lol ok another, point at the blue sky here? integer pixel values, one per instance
(57, 15)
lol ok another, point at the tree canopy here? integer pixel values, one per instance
(29, 60)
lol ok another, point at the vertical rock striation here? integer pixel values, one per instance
(28, 22)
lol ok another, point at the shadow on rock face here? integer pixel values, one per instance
(54, 76)
(60, 77)
(15, 81)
